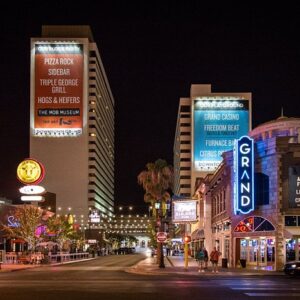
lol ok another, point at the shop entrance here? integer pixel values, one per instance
(292, 247)
(258, 252)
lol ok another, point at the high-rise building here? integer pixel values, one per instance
(72, 121)
(207, 125)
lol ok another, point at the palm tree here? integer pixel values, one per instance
(156, 180)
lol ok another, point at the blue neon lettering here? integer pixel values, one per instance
(244, 176)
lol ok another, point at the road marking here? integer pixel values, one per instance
(272, 294)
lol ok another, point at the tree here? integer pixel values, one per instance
(156, 180)
(115, 239)
(28, 218)
(59, 230)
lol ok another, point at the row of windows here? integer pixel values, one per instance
(107, 162)
(100, 199)
(185, 133)
(185, 142)
(185, 115)
(185, 159)
(292, 220)
(185, 151)
(185, 108)
(185, 186)
(185, 177)
(107, 194)
(219, 203)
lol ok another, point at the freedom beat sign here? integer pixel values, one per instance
(244, 175)
(218, 121)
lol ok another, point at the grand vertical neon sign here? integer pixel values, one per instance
(244, 175)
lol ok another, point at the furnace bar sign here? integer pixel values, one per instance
(244, 175)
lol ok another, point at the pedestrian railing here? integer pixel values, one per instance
(36, 258)
(64, 257)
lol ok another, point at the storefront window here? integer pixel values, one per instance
(290, 220)
(290, 250)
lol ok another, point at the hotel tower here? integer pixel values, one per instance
(72, 122)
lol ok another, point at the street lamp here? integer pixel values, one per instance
(162, 213)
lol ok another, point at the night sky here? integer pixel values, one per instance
(152, 53)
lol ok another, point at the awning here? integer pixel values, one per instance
(291, 232)
(20, 241)
(197, 234)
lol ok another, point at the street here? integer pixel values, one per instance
(108, 278)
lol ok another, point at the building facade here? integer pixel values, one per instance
(72, 121)
(207, 125)
(269, 235)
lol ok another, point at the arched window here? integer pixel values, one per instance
(254, 224)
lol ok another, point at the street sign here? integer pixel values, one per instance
(161, 237)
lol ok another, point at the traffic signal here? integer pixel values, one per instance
(187, 239)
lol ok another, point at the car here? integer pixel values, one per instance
(292, 268)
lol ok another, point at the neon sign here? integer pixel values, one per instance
(12, 222)
(244, 175)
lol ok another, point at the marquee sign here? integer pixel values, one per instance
(184, 211)
(218, 121)
(244, 175)
(58, 89)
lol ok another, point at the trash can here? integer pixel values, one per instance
(243, 263)
(224, 262)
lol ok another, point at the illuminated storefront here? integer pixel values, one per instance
(269, 234)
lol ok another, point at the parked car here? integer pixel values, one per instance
(292, 268)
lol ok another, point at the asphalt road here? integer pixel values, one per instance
(107, 278)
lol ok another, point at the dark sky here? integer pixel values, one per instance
(152, 53)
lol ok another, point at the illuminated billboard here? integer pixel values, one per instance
(243, 175)
(218, 121)
(184, 211)
(58, 89)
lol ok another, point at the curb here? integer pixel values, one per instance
(44, 266)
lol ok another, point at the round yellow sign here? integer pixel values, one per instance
(30, 171)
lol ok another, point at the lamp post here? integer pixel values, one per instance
(161, 226)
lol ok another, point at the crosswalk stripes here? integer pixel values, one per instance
(264, 288)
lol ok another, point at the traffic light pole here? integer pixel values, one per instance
(186, 254)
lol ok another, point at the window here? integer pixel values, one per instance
(185, 177)
(185, 116)
(185, 108)
(185, 168)
(261, 189)
(185, 133)
(185, 186)
(185, 142)
(185, 159)
(185, 151)
(291, 220)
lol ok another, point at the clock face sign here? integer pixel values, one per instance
(30, 171)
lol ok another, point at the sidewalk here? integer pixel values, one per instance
(175, 265)
(19, 267)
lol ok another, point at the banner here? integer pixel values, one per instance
(217, 123)
(58, 93)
